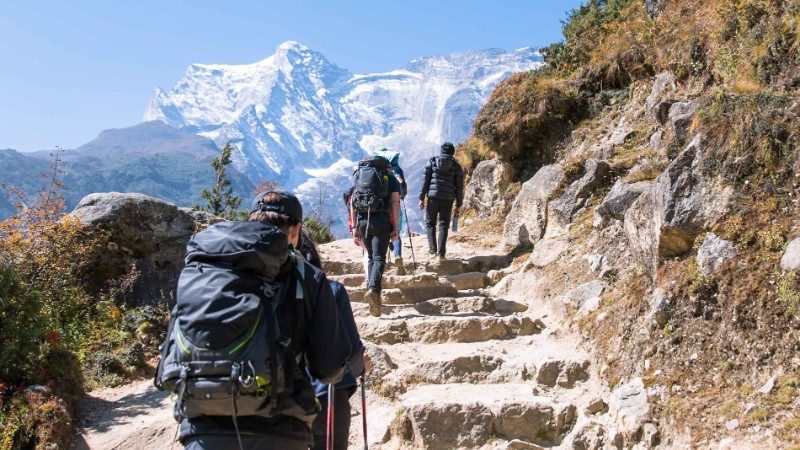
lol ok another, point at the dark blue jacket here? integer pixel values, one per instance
(356, 363)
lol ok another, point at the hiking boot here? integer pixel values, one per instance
(401, 270)
(441, 257)
(373, 299)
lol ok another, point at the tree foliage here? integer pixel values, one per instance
(220, 199)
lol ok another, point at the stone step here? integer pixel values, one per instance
(331, 267)
(445, 266)
(406, 295)
(447, 329)
(468, 415)
(468, 280)
(491, 366)
(354, 280)
(485, 263)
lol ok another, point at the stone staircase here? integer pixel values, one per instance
(456, 367)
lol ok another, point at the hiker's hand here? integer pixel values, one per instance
(394, 235)
(421, 205)
(367, 365)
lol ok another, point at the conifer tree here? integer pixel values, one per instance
(220, 200)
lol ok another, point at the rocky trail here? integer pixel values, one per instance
(456, 365)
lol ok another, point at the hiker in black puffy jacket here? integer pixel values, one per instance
(322, 340)
(442, 184)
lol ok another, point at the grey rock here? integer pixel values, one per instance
(534, 421)
(485, 191)
(620, 199)
(39, 389)
(629, 408)
(687, 200)
(791, 257)
(768, 386)
(449, 425)
(548, 372)
(681, 115)
(526, 222)
(654, 7)
(659, 308)
(663, 85)
(148, 234)
(579, 295)
(572, 373)
(732, 424)
(546, 252)
(202, 218)
(485, 263)
(665, 220)
(651, 436)
(657, 140)
(642, 230)
(596, 405)
(590, 436)
(564, 208)
(713, 253)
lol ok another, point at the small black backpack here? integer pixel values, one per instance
(371, 185)
(225, 353)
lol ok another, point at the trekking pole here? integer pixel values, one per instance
(331, 410)
(410, 242)
(364, 412)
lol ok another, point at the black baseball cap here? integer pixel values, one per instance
(287, 204)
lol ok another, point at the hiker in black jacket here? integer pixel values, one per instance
(442, 184)
(323, 348)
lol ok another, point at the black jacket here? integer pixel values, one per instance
(326, 345)
(443, 180)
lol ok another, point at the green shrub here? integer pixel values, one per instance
(23, 327)
(319, 230)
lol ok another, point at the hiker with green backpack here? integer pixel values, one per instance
(252, 325)
(375, 211)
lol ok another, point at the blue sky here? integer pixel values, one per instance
(73, 68)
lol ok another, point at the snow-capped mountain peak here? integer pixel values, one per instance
(297, 118)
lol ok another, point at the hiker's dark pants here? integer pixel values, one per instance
(376, 240)
(438, 211)
(341, 421)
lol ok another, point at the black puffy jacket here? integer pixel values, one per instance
(443, 180)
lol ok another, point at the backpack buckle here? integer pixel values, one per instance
(247, 377)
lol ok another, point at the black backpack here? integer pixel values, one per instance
(371, 185)
(225, 353)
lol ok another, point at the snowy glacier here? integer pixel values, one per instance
(301, 120)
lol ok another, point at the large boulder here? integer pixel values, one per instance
(684, 202)
(621, 197)
(663, 86)
(679, 122)
(791, 257)
(629, 411)
(485, 192)
(147, 236)
(561, 211)
(526, 223)
(713, 253)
